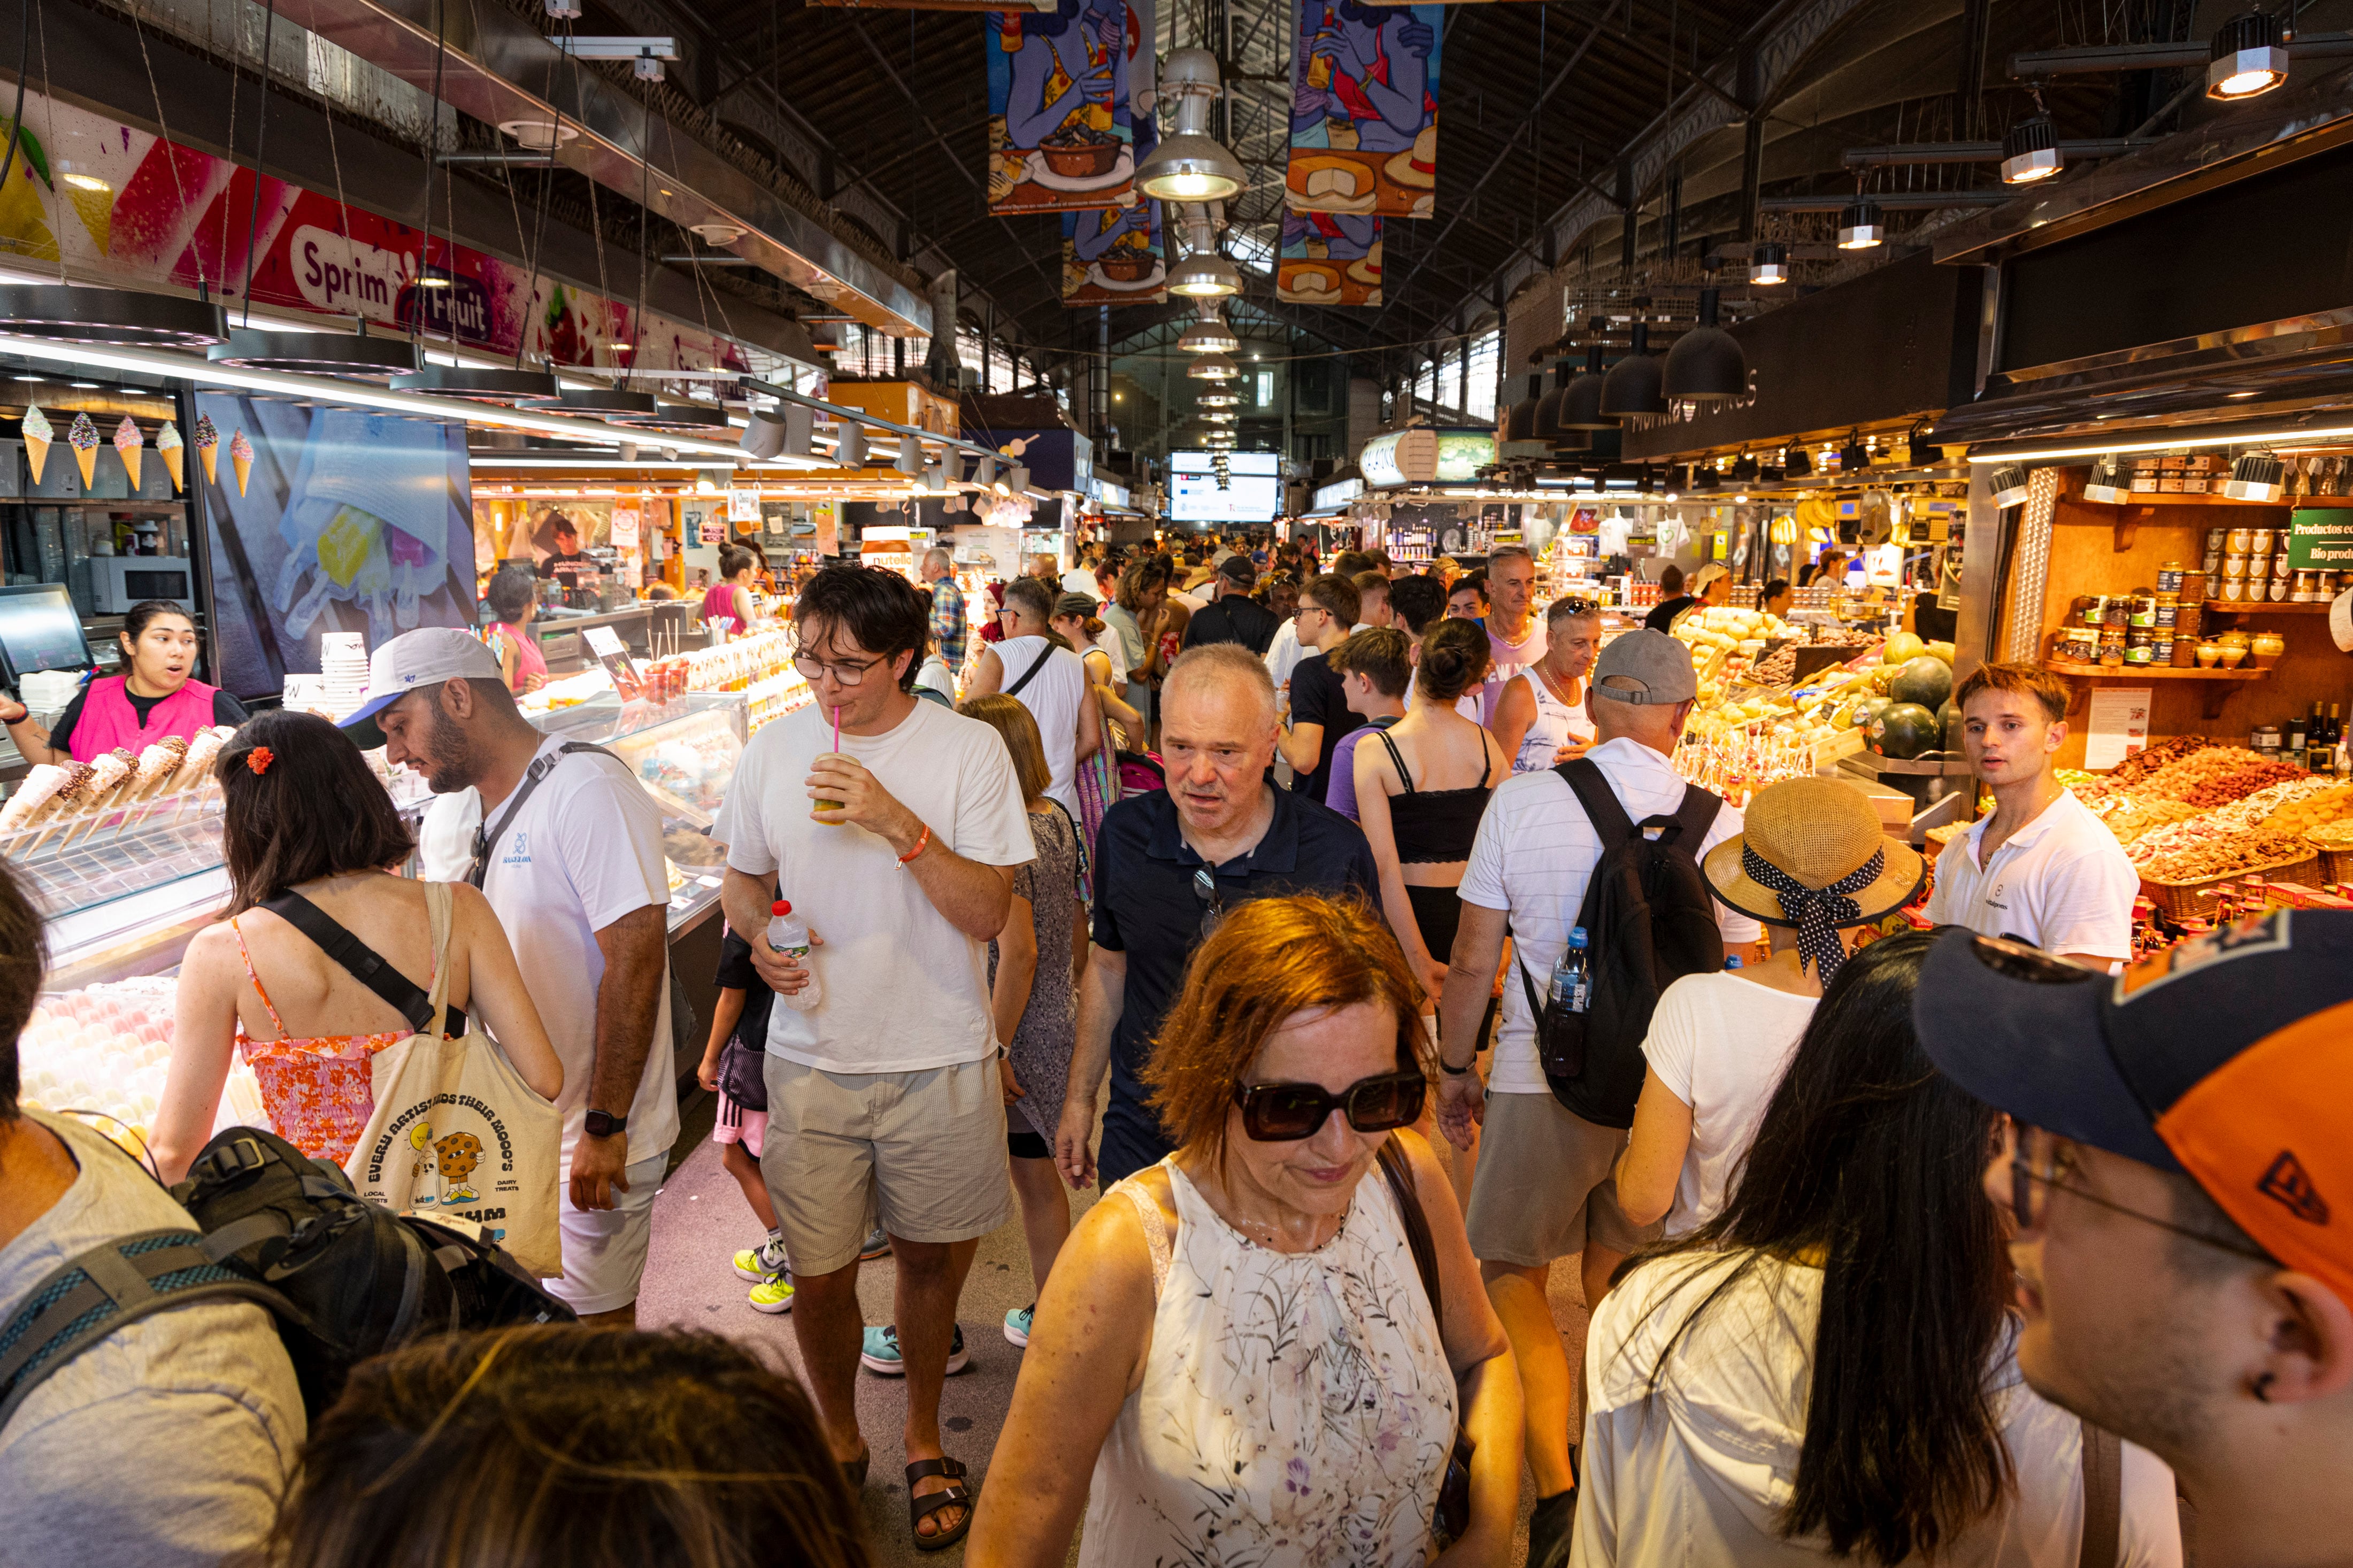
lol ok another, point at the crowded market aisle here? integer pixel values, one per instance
(700, 1221)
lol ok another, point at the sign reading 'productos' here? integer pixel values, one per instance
(2320, 541)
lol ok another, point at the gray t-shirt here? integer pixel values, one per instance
(167, 1444)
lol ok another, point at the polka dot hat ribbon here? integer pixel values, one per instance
(1817, 911)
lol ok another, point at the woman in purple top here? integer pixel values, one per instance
(1374, 667)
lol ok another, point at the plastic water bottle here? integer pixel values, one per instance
(789, 937)
(1571, 988)
(1731, 961)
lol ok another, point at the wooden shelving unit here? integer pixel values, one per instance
(2264, 607)
(2221, 679)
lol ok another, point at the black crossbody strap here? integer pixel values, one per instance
(1417, 1225)
(1027, 675)
(486, 835)
(366, 965)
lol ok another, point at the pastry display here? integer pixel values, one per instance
(101, 1055)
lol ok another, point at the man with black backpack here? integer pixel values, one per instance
(167, 1442)
(1608, 842)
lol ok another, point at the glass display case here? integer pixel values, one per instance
(124, 890)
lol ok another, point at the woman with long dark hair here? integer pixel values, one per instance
(1826, 1369)
(309, 836)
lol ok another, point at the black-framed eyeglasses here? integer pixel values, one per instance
(1287, 1113)
(843, 674)
(2038, 1161)
(1576, 606)
(1212, 902)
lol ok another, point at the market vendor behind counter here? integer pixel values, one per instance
(156, 698)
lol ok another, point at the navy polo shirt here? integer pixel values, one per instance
(1145, 908)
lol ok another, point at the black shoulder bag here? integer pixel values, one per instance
(485, 835)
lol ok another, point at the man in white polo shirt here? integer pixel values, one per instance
(2040, 867)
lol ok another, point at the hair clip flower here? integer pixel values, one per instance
(259, 760)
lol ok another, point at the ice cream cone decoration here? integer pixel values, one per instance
(240, 452)
(175, 454)
(130, 445)
(208, 447)
(39, 433)
(82, 436)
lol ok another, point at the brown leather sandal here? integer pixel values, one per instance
(955, 1494)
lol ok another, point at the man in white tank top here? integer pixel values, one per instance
(1048, 680)
(1543, 709)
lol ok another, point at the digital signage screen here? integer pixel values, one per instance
(1254, 493)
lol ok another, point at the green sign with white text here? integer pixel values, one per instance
(2320, 540)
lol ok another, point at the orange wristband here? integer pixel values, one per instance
(921, 844)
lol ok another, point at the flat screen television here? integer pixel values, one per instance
(1254, 493)
(40, 630)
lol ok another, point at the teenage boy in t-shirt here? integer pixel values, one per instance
(1319, 704)
(2042, 868)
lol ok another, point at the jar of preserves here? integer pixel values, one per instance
(2168, 577)
(2169, 609)
(2235, 542)
(2143, 611)
(2266, 649)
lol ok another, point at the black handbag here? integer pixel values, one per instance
(744, 1074)
(1451, 1518)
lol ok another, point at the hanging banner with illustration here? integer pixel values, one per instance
(1329, 258)
(1364, 109)
(1115, 255)
(123, 201)
(1062, 106)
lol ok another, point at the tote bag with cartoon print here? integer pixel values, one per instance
(457, 1135)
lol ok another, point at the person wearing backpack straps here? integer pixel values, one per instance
(1544, 1189)
(168, 1442)
(570, 856)
(325, 958)
(1037, 668)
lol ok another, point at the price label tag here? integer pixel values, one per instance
(614, 655)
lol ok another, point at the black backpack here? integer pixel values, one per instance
(345, 1278)
(1649, 920)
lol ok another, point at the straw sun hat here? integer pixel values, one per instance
(1816, 832)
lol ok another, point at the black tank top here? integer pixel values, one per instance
(1436, 826)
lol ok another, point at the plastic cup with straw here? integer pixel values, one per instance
(834, 805)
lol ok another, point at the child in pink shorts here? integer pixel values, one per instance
(734, 1056)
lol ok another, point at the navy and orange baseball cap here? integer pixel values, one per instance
(2225, 1057)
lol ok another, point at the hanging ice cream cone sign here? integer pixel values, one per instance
(132, 445)
(208, 447)
(39, 435)
(175, 454)
(82, 436)
(240, 452)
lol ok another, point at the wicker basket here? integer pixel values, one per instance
(2177, 899)
(2336, 858)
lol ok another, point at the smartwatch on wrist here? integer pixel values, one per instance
(604, 1124)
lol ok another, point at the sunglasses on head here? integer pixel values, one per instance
(1287, 1113)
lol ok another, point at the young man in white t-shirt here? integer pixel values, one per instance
(1050, 681)
(2040, 867)
(898, 852)
(572, 865)
(1544, 1189)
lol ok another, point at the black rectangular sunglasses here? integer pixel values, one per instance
(1287, 1113)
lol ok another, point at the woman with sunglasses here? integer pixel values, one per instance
(1827, 1370)
(1236, 1356)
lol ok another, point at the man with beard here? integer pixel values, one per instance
(570, 856)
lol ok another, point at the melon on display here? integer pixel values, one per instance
(1902, 649)
(1927, 680)
(1864, 709)
(1903, 731)
(1949, 722)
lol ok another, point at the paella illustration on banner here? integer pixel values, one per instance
(1115, 255)
(1364, 109)
(1063, 105)
(1329, 258)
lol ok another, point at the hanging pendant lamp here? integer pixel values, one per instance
(1209, 336)
(1519, 420)
(498, 386)
(1633, 386)
(684, 418)
(1581, 400)
(118, 318)
(351, 356)
(616, 403)
(1706, 365)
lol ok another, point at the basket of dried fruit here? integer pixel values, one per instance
(2334, 840)
(2230, 860)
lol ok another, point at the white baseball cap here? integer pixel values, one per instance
(411, 661)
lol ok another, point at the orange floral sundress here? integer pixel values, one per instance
(319, 1092)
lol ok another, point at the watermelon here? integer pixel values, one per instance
(1902, 649)
(1949, 722)
(1927, 680)
(1902, 731)
(1865, 709)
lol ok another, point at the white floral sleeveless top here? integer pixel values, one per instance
(1297, 1408)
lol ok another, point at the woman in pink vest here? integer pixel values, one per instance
(155, 699)
(730, 598)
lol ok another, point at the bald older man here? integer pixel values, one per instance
(1167, 865)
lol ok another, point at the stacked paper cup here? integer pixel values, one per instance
(343, 661)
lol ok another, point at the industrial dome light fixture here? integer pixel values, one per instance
(1519, 421)
(1769, 263)
(1209, 336)
(2030, 151)
(2256, 475)
(1217, 397)
(1707, 365)
(1634, 384)
(493, 384)
(1861, 227)
(1213, 367)
(353, 356)
(117, 317)
(1189, 166)
(2009, 484)
(1204, 274)
(2249, 58)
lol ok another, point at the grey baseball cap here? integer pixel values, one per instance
(1645, 667)
(413, 661)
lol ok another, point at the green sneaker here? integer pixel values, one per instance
(1017, 1324)
(879, 1353)
(763, 1262)
(772, 1296)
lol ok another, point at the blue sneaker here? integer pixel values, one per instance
(1017, 1324)
(880, 1352)
(877, 1245)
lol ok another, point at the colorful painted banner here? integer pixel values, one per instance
(1364, 109)
(1329, 258)
(1061, 109)
(123, 201)
(1116, 256)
